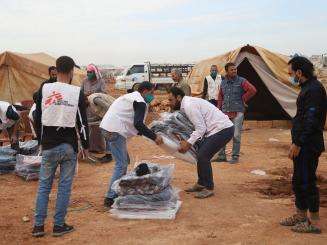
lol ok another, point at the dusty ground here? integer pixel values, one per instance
(238, 213)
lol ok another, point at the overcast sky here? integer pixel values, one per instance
(122, 32)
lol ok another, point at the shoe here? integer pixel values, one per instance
(234, 160)
(38, 231)
(205, 193)
(108, 202)
(292, 220)
(62, 230)
(220, 159)
(106, 158)
(195, 188)
(306, 227)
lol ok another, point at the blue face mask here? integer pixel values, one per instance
(295, 81)
(149, 98)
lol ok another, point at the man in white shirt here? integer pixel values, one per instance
(9, 121)
(124, 120)
(212, 127)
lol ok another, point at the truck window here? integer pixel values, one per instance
(136, 69)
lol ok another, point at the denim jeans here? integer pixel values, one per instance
(65, 156)
(118, 147)
(238, 124)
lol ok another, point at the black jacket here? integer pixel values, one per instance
(310, 118)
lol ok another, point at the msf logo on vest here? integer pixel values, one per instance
(56, 98)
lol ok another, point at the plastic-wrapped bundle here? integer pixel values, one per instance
(28, 167)
(29, 147)
(158, 179)
(175, 127)
(145, 204)
(7, 164)
(159, 201)
(7, 151)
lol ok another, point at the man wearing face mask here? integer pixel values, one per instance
(211, 86)
(60, 110)
(212, 127)
(125, 119)
(307, 145)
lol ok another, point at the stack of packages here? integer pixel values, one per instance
(146, 193)
(28, 162)
(174, 127)
(7, 160)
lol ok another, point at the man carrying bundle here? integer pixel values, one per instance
(212, 127)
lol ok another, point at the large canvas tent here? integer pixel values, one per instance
(267, 71)
(22, 74)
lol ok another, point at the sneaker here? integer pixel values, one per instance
(108, 202)
(62, 230)
(38, 231)
(292, 220)
(106, 158)
(306, 227)
(205, 193)
(234, 160)
(195, 188)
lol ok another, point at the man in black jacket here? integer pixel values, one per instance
(307, 145)
(60, 109)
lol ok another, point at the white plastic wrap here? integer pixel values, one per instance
(174, 127)
(171, 147)
(28, 167)
(158, 179)
(169, 213)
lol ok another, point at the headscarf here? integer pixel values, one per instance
(92, 67)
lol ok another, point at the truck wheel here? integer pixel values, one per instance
(136, 86)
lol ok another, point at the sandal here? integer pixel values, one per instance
(306, 227)
(205, 193)
(293, 220)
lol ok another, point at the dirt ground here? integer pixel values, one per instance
(241, 212)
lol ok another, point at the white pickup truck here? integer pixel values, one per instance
(158, 74)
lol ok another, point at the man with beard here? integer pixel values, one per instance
(307, 145)
(212, 127)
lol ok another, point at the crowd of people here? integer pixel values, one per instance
(69, 119)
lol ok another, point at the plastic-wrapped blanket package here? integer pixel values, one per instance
(7, 151)
(7, 164)
(29, 147)
(28, 167)
(158, 179)
(174, 127)
(149, 196)
(160, 201)
(7, 159)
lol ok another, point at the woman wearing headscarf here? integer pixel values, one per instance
(94, 83)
